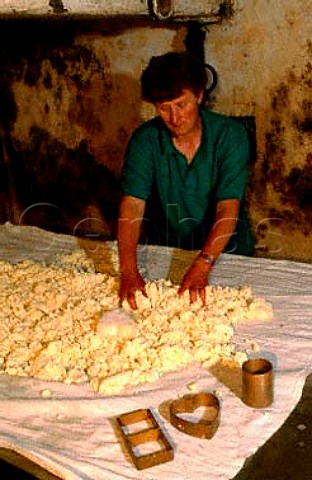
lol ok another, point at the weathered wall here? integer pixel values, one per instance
(161, 9)
(263, 56)
(70, 98)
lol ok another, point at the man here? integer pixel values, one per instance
(184, 177)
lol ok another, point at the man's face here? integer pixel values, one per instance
(180, 115)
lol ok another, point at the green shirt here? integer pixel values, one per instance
(185, 194)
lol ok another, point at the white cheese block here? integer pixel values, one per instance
(116, 323)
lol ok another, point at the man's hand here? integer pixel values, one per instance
(129, 223)
(129, 284)
(195, 280)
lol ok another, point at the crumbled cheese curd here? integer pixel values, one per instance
(49, 316)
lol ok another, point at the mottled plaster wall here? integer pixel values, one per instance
(263, 57)
(70, 98)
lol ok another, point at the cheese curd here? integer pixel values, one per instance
(50, 325)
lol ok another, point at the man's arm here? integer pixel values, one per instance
(196, 277)
(223, 228)
(131, 213)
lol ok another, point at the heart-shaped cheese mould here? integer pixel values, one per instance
(204, 427)
(200, 414)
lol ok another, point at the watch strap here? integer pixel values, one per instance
(208, 258)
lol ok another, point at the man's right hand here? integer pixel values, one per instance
(131, 212)
(129, 284)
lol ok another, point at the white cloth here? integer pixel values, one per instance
(72, 432)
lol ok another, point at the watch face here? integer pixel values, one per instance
(208, 258)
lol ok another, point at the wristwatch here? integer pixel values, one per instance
(208, 258)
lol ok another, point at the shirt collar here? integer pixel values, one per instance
(166, 142)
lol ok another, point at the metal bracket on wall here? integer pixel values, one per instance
(57, 6)
(161, 9)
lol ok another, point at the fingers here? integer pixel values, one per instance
(132, 302)
(129, 295)
(196, 288)
(193, 295)
(197, 292)
(185, 285)
(131, 298)
(144, 291)
(182, 289)
(202, 295)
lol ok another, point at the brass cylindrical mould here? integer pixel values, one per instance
(257, 383)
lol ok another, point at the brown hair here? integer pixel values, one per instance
(166, 76)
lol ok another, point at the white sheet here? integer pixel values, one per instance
(72, 434)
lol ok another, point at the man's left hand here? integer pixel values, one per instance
(195, 280)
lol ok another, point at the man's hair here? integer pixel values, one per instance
(166, 76)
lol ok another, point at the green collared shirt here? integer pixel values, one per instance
(186, 194)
